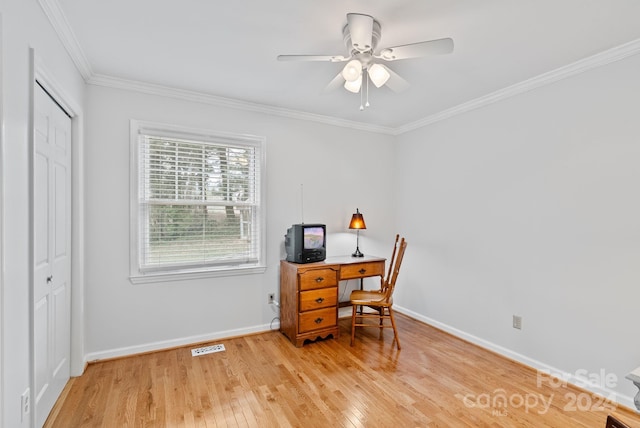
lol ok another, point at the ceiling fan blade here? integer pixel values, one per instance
(361, 31)
(336, 83)
(328, 58)
(395, 82)
(415, 50)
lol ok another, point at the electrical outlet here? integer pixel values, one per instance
(25, 404)
(272, 297)
(517, 322)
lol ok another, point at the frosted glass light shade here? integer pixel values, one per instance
(378, 74)
(352, 71)
(353, 86)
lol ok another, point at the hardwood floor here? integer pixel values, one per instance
(262, 380)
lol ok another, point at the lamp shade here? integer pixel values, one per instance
(378, 74)
(357, 221)
(353, 86)
(352, 71)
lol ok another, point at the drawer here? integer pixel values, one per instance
(361, 270)
(318, 319)
(318, 278)
(317, 299)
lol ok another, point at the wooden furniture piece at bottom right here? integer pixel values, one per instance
(613, 422)
(379, 300)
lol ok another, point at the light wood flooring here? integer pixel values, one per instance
(262, 380)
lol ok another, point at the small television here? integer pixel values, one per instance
(306, 243)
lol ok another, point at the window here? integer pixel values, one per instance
(196, 203)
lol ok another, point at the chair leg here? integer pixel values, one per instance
(381, 326)
(395, 331)
(353, 323)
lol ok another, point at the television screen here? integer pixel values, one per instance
(313, 237)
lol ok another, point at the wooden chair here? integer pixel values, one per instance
(380, 300)
(613, 422)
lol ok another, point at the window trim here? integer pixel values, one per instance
(138, 276)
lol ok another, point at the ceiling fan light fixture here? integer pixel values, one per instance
(361, 35)
(352, 71)
(354, 86)
(378, 74)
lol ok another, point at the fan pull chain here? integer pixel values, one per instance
(367, 77)
(361, 107)
(362, 89)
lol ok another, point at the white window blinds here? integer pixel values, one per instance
(199, 200)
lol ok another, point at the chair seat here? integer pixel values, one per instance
(369, 297)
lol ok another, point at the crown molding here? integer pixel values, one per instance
(199, 97)
(606, 57)
(61, 26)
(611, 55)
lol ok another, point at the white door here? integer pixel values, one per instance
(52, 253)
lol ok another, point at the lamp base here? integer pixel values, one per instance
(357, 253)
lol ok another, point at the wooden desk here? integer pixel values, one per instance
(309, 294)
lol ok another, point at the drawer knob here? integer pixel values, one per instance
(362, 271)
(320, 300)
(319, 279)
(319, 320)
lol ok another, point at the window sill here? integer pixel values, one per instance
(186, 275)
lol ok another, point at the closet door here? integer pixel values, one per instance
(52, 253)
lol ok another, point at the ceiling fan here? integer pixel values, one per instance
(361, 36)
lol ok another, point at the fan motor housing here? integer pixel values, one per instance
(375, 37)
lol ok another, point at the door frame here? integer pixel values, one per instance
(39, 74)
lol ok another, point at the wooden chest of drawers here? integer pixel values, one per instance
(308, 301)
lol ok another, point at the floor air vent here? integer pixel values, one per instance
(207, 350)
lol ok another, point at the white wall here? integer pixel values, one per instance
(341, 169)
(24, 27)
(530, 206)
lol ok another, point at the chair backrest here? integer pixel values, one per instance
(386, 280)
(394, 268)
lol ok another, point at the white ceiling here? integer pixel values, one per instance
(228, 48)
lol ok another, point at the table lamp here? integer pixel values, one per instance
(357, 223)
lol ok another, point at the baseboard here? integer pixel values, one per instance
(570, 378)
(177, 343)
